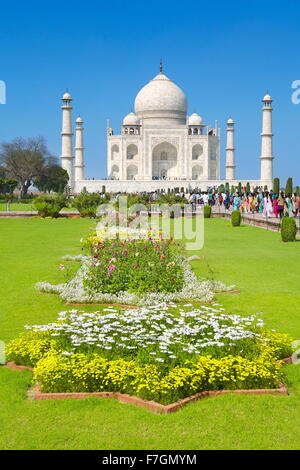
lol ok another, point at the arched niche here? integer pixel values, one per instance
(197, 172)
(132, 172)
(197, 151)
(114, 173)
(131, 151)
(114, 152)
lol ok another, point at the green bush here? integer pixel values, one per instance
(288, 229)
(139, 266)
(207, 212)
(236, 218)
(50, 205)
(87, 204)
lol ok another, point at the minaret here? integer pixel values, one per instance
(230, 149)
(266, 169)
(79, 150)
(66, 137)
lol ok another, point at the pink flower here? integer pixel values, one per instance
(111, 267)
(135, 266)
(62, 267)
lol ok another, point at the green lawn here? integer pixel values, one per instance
(17, 206)
(21, 207)
(256, 261)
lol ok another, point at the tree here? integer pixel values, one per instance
(53, 178)
(2, 172)
(248, 189)
(221, 188)
(25, 159)
(276, 186)
(8, 185)
(227, 187)
(289, 186)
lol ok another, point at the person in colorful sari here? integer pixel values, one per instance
(296, 200)
(275, 207)
(268, 205)
(261, 202)
(252, 202)
(236, 202)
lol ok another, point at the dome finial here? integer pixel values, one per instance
(161, 66)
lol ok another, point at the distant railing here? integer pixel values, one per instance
(268, 223)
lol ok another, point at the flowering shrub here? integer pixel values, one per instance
(163, 334)
(160, 353)
(137, 266)
(29, 348)
(75, 291)
(80, 373)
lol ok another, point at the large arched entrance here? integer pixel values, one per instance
(164, 161)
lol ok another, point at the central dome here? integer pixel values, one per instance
(161, 99)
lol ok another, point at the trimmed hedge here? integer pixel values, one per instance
(236, 218)
(50, 205)
(87, 204)
(288, 229)
(207, 212)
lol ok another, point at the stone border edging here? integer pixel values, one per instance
(35, 393)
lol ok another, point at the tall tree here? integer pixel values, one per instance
(53, 178)
(276, 186)
(289, 186)
(25, 159)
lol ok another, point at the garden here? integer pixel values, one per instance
(137, 329)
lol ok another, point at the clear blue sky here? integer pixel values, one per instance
(224, 55)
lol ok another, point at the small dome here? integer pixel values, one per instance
(230, 121)
(267, 97)
(195, 120)
(79, 120)
(161, 98)
(131, 120)
(67, 96)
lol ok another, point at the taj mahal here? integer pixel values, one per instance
(160, 147)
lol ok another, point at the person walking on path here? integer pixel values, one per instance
(289, 205)
(296, 200)
(236, 202)
(268, 205)
(280, 205)
(275, 207)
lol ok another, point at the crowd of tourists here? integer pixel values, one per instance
(268, 204)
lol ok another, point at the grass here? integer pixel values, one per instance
(263, 268)
(23, 207)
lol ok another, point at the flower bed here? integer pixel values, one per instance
(135, 266)
(160, 353)
(135, 271)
